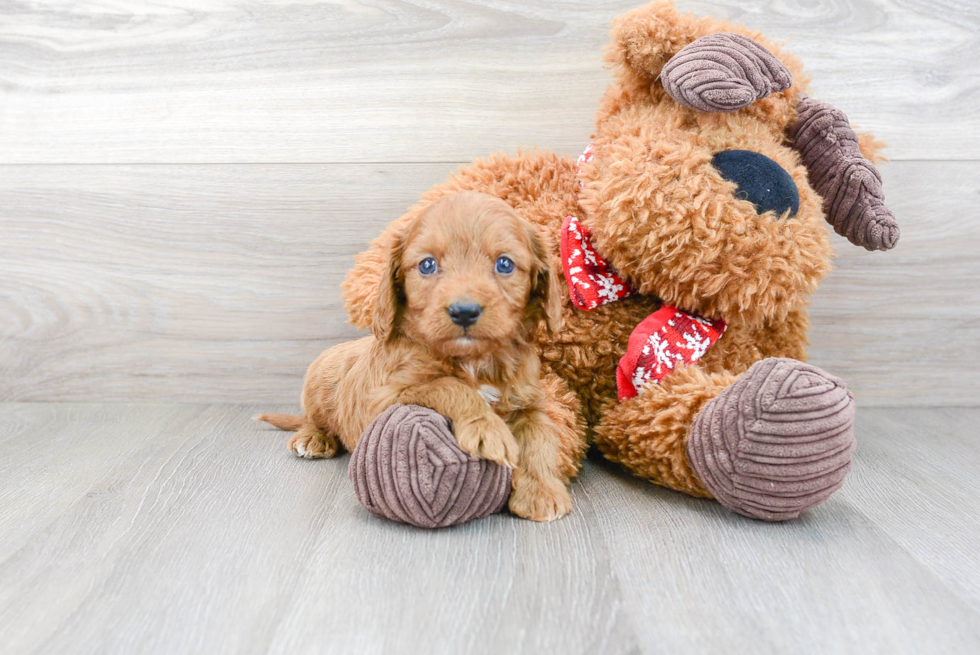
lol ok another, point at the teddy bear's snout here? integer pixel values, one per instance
(760, 180)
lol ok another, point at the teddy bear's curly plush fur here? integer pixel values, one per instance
(748, 423)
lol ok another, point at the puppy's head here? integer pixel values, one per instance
(466, 277)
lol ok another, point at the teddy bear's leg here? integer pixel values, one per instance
(648, 433)
(768, 444)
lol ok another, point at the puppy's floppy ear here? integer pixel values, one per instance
(391, 298)
(546, 284)
(360, 287)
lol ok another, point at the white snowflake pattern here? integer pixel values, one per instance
(584, 158)
(663, 358)
(658, 355)
(608, 287)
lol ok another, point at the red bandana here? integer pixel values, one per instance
(591, 281)
(663, 338)
(584, 158)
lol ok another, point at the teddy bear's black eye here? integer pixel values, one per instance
(428, 266)
(504, 265)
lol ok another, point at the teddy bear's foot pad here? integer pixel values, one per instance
(408, 467)
(776, 442)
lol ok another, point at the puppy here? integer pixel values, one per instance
(468, 281)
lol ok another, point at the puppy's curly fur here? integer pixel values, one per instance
(484, 376)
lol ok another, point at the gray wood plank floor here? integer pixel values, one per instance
(162, 528)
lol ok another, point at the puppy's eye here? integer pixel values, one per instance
(504, 265)
(428, 266)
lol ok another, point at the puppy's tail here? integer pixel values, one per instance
(283, 421)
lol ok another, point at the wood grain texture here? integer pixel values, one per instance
(203, 534)
(182, 188)
(220, 283)
(182, 283)
(705, 580)
(57, 441)
(912, 485)
(904, 326)
(213, 538)
(396, 81)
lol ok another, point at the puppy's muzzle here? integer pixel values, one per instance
(464, 314)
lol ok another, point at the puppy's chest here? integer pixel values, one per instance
(490, 393)
(499, 396)
(500, 399)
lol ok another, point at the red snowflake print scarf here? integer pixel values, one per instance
(662, 340)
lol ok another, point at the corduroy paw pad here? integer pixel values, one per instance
(592, 282)
(663, 340)
(776, 442)
(408, 467)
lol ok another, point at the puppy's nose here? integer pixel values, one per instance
(464, 313)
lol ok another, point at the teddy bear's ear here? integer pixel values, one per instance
(723, 72)
(644, 39)
(843, 175)
(703, 63)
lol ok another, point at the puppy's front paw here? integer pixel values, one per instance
(539, 500)
(488, 439)
(311, 443)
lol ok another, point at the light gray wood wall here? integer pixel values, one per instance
(182, 186)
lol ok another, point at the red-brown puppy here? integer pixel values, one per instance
(467, 283)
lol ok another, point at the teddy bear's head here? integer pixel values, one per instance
(694, 190)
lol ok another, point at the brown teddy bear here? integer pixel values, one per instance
(692, 235)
